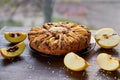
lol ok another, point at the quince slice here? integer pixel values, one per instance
(15, 37)
(13, 51)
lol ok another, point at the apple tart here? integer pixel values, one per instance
(59, 38)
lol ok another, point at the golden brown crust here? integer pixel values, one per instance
(59, 38)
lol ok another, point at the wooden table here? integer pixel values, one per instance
(31, 66)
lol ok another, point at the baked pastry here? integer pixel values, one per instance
(59, 38)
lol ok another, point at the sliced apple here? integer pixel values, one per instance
(74, 62)
(13, 51)
(107, 38)
(106, 62)
(15, 37)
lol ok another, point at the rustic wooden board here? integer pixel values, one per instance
(31, 66)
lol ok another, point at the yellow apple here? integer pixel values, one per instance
(106, 62)
(107, 38)
(74, 62)
(15, 37)
(13, 51)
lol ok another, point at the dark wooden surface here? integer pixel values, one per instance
(31, 66)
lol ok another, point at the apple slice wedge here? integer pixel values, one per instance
(74, 62)
(106, 62)
(13, 51)
(15, 37)
(107, 38)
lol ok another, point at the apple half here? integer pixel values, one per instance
(106, 62)
(13, 51)
(107, 38)
(74, 62)
(15, 37)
